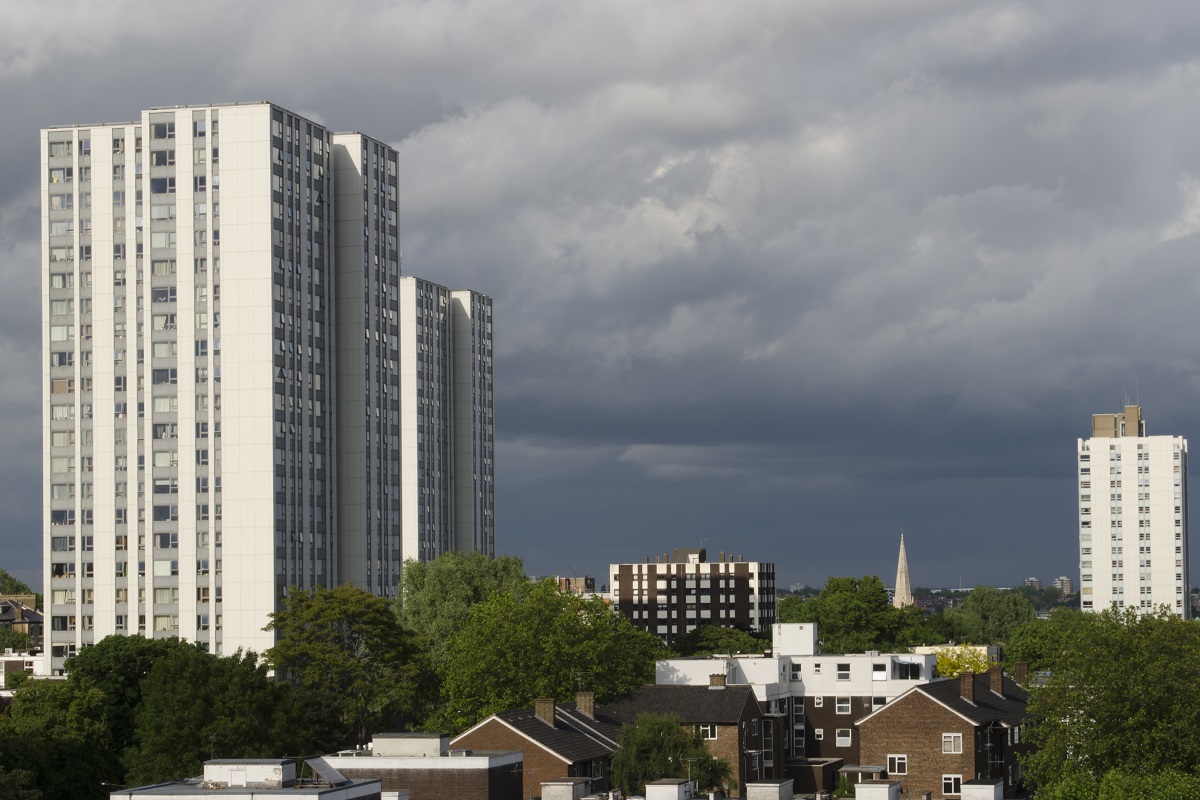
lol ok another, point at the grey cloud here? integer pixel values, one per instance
(782, 276)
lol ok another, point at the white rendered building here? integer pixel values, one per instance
(1133, 536)
(815, 697)
(445, 420)
(222, 373)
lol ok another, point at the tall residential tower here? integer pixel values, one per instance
(1133, 535)
(224, 378)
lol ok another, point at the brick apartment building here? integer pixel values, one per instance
(727, 717)
(424, 765)
(557, 740)
(677, 594)
(813, 699)
(940, 735)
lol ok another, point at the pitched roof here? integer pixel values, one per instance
(696, 704)
(575, 737)
(988, 706)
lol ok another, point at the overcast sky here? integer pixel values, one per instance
(779, 278)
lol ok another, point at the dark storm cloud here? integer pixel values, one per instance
(785, 278)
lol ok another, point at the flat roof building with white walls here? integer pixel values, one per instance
(1133, 517)
(814, 698)
(222, 373)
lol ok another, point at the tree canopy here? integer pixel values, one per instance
(117, 665)
(346, 650)
(1122, 693)
(56, 741)
(853, 615)
(10, 585)
(436, 597)
(657, 746)
(954, 660)
(539, 642)
(709, 639)
(195, 706)
(988, 615)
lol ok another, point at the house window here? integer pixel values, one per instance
(897, 765)
(952, 784)
(816, 669)
(951, 742)
(843, 705)
(843, 737)
(818, 702)
(754, 727)
(878, 703)
(819, 734)
(843, 672)
(707, 731)
(879, 672)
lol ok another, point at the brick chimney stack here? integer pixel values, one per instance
(543, 709)
(996, 679)
(585, 703)
(1021, 673)
(716, 681)
(966, 684)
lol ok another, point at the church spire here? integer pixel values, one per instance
(903, 594)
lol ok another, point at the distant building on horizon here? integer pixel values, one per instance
(1063, 584)
(678, 593)
(1133, 537)
(1032, 583)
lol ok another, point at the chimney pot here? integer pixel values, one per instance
(996, 679)
(966, 684)
(543, 709)
(585, 703)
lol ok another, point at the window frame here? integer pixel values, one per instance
(897, 764)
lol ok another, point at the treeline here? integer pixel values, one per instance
(469, 637)
(854, 615)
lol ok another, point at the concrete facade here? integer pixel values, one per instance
(683, 591)
(1133, 517)
(222, 376)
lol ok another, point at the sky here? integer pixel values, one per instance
(782, 279)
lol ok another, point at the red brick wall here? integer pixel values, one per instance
(913, 726)
(540, 764)
(497, 783)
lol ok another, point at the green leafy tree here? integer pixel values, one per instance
(657, 746)
(347, 652)
(1122, 693)
(14, 639)
(10, 585)
(117, 665)
(795, 608)
(709, 639)
(54, 741)
(436, 597)
(540, 642)
(196, 706)
(1038, 640)
(988, 615)
(952, 661)
(854, 615)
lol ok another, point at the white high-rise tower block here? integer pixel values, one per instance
(1133, 529)
(224, 379)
